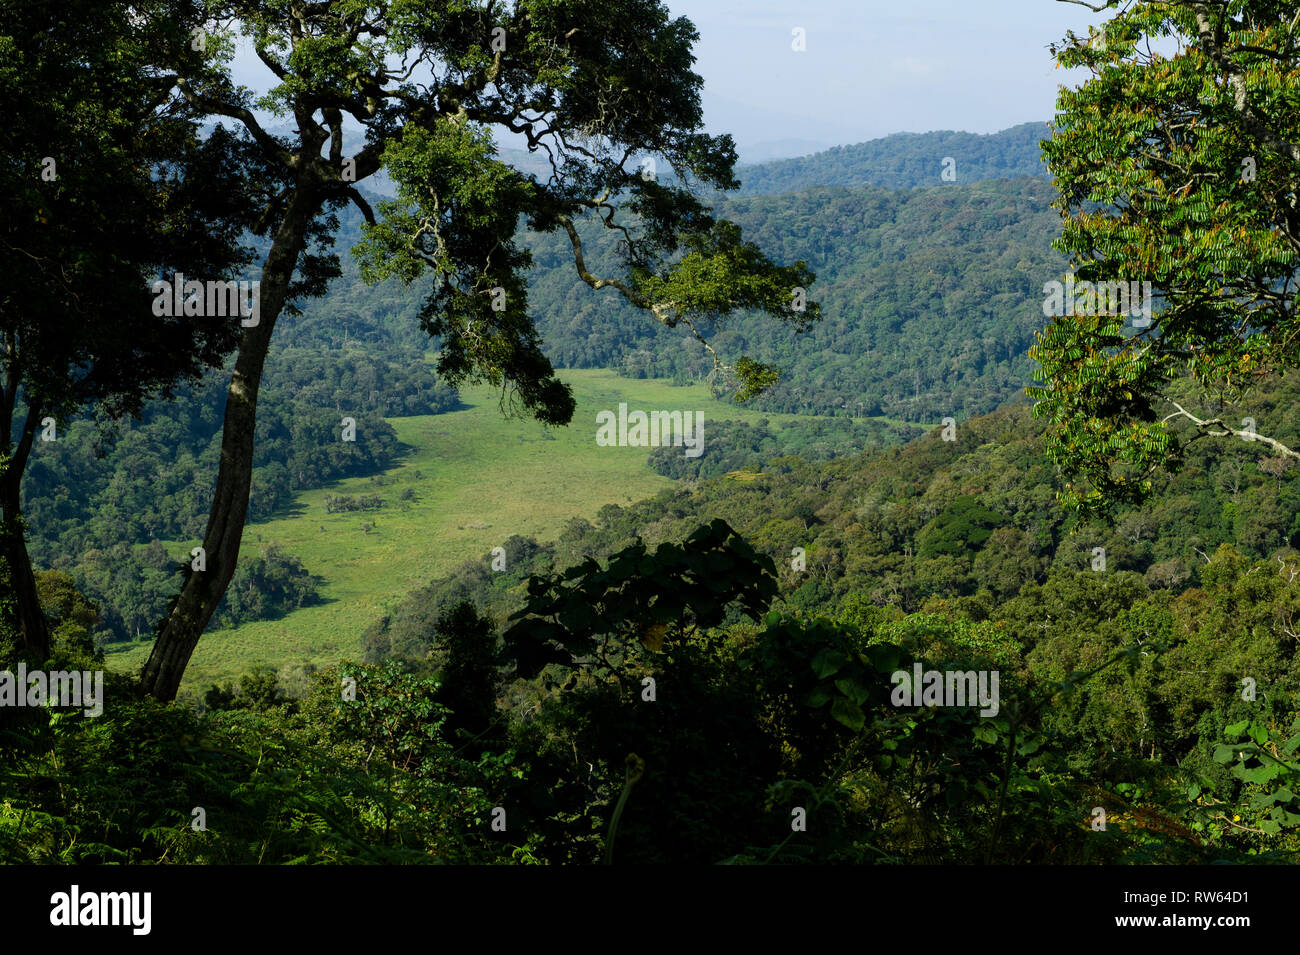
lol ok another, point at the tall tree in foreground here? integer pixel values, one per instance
(104, 186)
(604, 88)
(1183, 171)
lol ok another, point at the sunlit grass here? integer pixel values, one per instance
(477, 477)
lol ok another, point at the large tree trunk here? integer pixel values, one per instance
(202, 591)
(29, 616)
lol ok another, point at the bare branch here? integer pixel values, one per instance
(270, 145)
(1204, 427)
(360, 202)
(1083, 3)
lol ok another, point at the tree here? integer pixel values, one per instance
(634, 631)
(1007, 561)
(469, 677)
(267, 586)
(101, 191)
(959, 530)
(1180, 171)
(73, 620)
(604, 89)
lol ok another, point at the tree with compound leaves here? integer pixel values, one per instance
(1181, 170)
(603, 89)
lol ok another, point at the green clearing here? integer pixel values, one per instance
(477, 477)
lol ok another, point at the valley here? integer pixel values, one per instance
(476, 478)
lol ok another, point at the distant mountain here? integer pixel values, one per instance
(905, 161)
(900, 161)
(533, 164)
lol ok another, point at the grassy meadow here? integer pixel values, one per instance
(477, 478)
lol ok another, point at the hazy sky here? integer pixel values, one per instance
(874, 67)
(870, 68)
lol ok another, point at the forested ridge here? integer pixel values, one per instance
(929, 298)
(930, 290)
(906, 161)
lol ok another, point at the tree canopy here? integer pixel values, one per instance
(1179, 170)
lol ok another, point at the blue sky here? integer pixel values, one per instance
(870, 68)
(874, 67)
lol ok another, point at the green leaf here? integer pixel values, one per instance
(1029, 747)
(884, 657)
(854, 690)
(1260, 775)
(848, 713)
(818, 695)
(827, 662)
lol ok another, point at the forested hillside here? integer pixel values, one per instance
(1158, 641)
(930, 296)
(1130, 680)
(961, 524)
(905, 161)
(929, 300)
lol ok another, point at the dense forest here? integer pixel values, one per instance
(947, 552)
(997, 586)
(893, 266)
(929, 299)
(894, 258)
(101, 490)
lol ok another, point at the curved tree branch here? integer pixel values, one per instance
(1205, 426)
